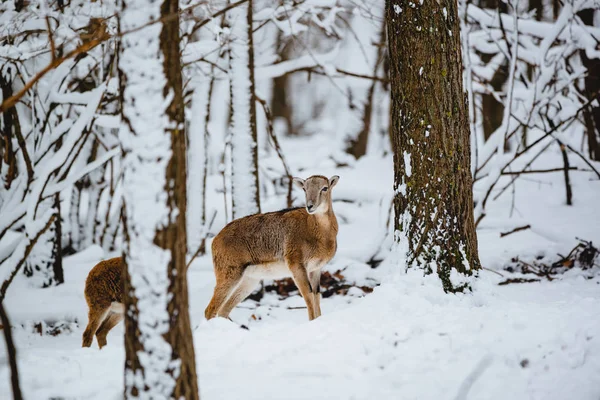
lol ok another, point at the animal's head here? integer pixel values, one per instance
(318, 192)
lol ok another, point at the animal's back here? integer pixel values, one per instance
(257, 238)
(106, 279)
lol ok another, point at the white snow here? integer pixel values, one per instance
(407, 339)
(407, 165)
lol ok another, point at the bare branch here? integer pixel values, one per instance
(277, 147)
(26, 253)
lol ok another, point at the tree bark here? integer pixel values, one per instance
(11, 353)
(10, 122)
(244, 148)
(160, 360)
(591, 113)
(430, 137)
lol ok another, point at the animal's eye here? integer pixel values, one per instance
(324, 189)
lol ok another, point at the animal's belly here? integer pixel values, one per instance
(274, 270)
(118, 308)
(278, 270)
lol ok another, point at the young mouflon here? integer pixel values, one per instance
(104, 297)
(295, 242)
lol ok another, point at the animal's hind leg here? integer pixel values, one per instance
(110, 322)
(226, 282)
(243, 290)
(95, 317)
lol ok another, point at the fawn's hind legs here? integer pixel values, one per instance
(96, 317)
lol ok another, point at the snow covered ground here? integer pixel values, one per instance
(406, 340)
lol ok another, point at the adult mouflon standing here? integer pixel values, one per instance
(295, 242)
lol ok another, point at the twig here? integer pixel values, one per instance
(520, 228)
(51, 39)
(202, 245)
(354, 74)
(277, 147)
(540, 171)
(491, 270)
(584, 159)
(12, 354)
(529, 163)
(314, 70)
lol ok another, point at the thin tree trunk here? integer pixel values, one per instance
(198, 162)
(57, 265)
(430, 136)
(11, 352)
(94, 189)
(280, 106)
(160, 360)
(492, 110)
(9, 123)
(356, 142)
(244, 148)
(591, 113)
(74, 225)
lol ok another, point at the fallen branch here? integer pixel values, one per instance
(520, 228)
(517, 280)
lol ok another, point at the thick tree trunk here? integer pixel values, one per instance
(244, 149)
(160, 360)
(430, 137)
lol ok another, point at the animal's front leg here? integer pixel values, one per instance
(315, 284)
(300, 276)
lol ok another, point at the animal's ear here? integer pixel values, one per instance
(333, 181)
(298, 182)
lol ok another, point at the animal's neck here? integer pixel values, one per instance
(326, 221)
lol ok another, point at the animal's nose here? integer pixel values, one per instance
(309, 206)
